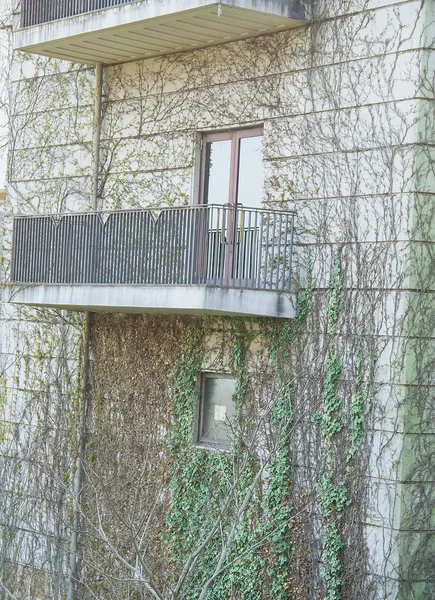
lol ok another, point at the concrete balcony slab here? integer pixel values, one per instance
(175, 299)
(150, 28)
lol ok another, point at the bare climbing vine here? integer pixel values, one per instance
(326, 493)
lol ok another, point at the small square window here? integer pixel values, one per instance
(216, 411)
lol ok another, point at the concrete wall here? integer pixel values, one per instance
(347, 108)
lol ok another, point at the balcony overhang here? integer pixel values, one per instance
(146, 29)
(148, 299)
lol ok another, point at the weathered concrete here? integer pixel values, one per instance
(183, 299)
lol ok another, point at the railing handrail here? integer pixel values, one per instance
(153, 209)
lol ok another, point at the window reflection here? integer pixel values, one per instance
(217, 410)
(250, 175)
(218, 163)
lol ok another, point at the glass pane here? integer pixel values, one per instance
(217, 410)
(217, 179)
(250, 180)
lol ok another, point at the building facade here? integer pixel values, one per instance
(217, 315)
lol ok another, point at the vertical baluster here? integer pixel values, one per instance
(167, 242)
(292, 229)
(83, 250)
(234, 267)
(23, 257)
(224, 246)
(31, 245)
(113, 248)
(58, 272)
(77, 248)
(119, 247)
(74, 256)
(69, 247)
(128, 237)
(16, 250)
(69, 226)
(155, 265)
(43, 261)
(157, 268)
(122, 239)
(266, 218)
(140, 244)
(131, 244)
(20, 250)
(284, 257)
(98, 249)
(128, 254)
(110, 246)
(39, 261)
(213, 241)
(164, 245)
(93, 240)
(189, 247)
(150, 247)
(36, 256)
(272, 259)
(86, 252)
(175, 245)
(278, 262)
(14, 244)
(131, 247)
(48, 249)
(255, 250)
(173, 235)
(24, 239)
(249, 241)
(104, 251)
(179, 228)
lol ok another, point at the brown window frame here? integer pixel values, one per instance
(235, 136)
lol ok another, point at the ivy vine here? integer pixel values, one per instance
(332, 488)
(201, 479)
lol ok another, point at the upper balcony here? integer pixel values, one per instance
(206, 259)
(115, 31)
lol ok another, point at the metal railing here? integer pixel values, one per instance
(216, 245)
(35, 12)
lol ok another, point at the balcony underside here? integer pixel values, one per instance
(140, 30)
(141, 299)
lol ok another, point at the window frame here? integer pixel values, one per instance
(235, 135)
(199, 440)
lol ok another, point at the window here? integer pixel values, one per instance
(232, 168)
(232, 190)
(216, 411)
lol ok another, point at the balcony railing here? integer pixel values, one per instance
(35, 12)
(211, 245)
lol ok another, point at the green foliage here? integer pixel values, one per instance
(203, 480)
(332, 489)
(332, 493)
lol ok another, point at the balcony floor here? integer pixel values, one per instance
(140, 30)
(180, 299)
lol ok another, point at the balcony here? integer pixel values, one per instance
(193, 260)
(114, 31)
